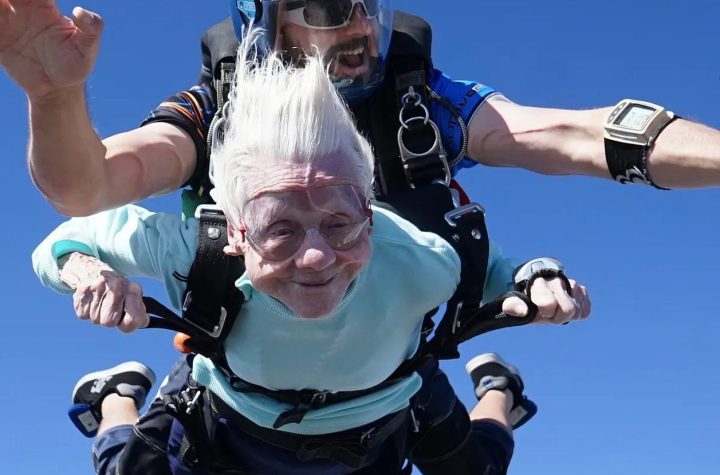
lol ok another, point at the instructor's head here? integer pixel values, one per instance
(353, 36)
(294, 178)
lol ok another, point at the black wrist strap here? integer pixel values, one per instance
(627, 163)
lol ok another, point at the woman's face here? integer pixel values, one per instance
(306, 237)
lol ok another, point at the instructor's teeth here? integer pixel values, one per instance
(358, 50)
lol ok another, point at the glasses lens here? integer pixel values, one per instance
(280, 240)
(325, 13)
(342, 236)
(277, 222)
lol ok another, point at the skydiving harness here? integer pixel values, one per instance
(413, 179)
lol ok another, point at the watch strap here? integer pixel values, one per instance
(627, 163)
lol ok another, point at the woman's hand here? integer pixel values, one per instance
(102, 295)
(555, 304)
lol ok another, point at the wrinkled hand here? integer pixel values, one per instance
(554, 304)
(103, 296)
(44, 51)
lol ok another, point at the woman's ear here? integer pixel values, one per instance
(236, 241)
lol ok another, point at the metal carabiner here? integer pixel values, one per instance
(437, 148)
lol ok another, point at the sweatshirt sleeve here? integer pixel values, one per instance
(499, 274)
(131, 240)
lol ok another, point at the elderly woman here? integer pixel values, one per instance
(294, 179)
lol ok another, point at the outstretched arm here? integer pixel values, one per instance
(80, 175)
(50, 57)
(564, 142)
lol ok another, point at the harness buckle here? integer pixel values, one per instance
(437, 150)
(457, 323)
(216, 330)
(415, 422)
(453, 216)
(212, 209)
(318, 399)
(192, 401)
(366, 437)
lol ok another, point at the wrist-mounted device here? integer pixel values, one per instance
(542, 267)
(630, 132)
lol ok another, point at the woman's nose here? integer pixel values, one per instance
(314, 253)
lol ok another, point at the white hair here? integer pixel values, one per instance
(282, 113)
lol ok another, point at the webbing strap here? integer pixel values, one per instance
(208, 283)
(211, 301)
(301, 400)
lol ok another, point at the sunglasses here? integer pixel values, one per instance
(328, 14)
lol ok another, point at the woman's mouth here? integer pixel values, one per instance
(315, 283)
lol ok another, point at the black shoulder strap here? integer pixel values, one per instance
(218, 45)
(211, 301)
(207, 282)
(412, 35)
(377, 117)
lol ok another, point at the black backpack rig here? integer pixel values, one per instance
(413, 179)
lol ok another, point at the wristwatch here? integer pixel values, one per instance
(630, 132)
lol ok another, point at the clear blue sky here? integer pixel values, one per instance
(632, 390)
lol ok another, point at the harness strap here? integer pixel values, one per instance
(198, 447)
(432, 208)
(211, 299)
(302, 400)
(211, 302)
(349, 447)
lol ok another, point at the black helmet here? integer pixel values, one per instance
(354, 35)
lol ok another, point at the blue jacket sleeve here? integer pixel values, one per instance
(453, 99)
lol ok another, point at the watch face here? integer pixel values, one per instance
(635, 117)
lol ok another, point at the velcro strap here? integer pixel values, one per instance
(547, 274)
(490, 317)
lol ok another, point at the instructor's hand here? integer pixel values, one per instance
(45, 52)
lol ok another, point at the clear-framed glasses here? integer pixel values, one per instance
(327, 14)
(276, 223)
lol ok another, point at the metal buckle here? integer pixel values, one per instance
(456, 324)
(191, 400)
(318, 399)
(453, 216)
(436, 148)
(215, 332)
(212, 209)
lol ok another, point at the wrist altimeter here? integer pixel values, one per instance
(542, 267)
(630, 131)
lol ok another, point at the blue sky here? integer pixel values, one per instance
(632, 390)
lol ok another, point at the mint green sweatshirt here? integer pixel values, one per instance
(358, 345)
